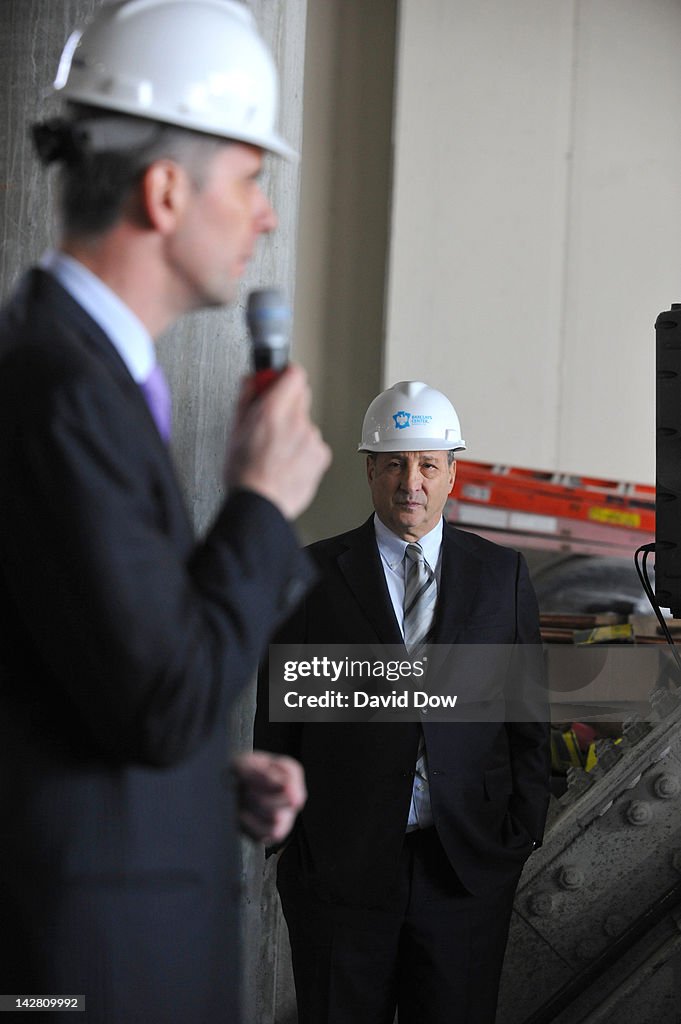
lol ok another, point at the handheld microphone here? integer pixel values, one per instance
(268, 317)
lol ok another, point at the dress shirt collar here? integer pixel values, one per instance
(126, 332)
(392, 547)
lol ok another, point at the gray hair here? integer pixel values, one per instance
(105, 156)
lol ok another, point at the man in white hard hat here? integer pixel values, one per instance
(398, 883)
(124, 640)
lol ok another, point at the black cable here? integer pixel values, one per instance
(650, 594)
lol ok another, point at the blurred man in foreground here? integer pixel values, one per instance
(124, 640)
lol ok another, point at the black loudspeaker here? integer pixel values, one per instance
(668, 461)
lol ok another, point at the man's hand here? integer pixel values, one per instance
(276, 450)
(270, 792)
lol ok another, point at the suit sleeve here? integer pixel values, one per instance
(529, 741)
(279, 737)
(143, 644)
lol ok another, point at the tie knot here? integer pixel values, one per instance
(414, 553)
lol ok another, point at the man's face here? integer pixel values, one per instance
(219, 226)
(409, 490)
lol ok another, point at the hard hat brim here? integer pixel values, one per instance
(272, 142)
(419, 444)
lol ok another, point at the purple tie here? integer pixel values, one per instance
(157, 393)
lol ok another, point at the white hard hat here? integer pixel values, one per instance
(199, 64)
(411, 417)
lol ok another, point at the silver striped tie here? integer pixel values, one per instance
(420, 595)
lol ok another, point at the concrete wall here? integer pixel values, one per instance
(536, 222)
(531, 231)
(32, 34)
(343, 241)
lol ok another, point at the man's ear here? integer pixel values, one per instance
(371, 468)
(165, 190)
(452, 475)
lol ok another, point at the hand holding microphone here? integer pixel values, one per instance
(276, 450)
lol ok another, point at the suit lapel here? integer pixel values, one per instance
(360, 565)
(51, 297)
(58, 304)
(459, 582)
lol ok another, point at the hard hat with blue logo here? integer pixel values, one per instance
(411, 417)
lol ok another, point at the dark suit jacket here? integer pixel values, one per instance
(489, 781)
(123, 645)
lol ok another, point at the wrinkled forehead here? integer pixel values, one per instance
(420, 456)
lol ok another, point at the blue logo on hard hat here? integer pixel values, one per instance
(407, 419)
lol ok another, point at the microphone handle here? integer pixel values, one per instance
(269, 363)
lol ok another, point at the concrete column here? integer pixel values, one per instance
(206, 355)
(32, 34)
(344, 236)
